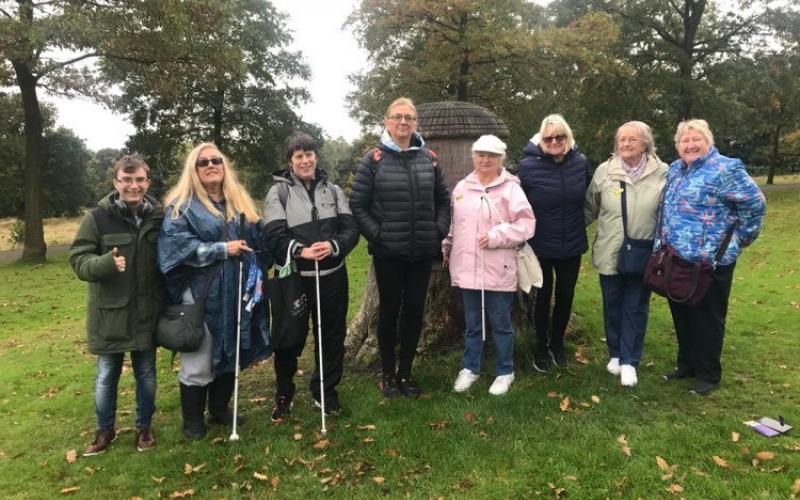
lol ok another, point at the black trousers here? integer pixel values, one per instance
(400, 285)
(566, 276)
(333, 291)
(700, 328)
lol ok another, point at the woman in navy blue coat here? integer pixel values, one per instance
(554, 175)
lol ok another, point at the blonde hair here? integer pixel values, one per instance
(698, 125)
(237, 200)
(559, 126)
(400, 101)
(645, 133)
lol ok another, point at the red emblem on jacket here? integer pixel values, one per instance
(434, 158)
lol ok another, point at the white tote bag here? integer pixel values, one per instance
(529, 272)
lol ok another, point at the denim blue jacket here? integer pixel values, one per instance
(703, 201)
(186, 247)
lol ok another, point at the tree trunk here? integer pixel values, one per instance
(34, 249)
(773, 155)
(442, 325)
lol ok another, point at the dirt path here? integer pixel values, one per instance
(8, 256)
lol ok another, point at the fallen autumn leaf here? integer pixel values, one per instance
(720, 461)
(765, 455)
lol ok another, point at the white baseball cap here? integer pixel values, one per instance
(489, 144)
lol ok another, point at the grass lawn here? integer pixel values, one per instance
(573, 432)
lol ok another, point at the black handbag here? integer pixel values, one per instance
(289, 304)
(673, 277)
(634, 253)
(679, 280)
(180, 327)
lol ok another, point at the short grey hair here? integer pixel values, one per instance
(645, 134)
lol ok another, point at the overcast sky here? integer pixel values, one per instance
(331, 53)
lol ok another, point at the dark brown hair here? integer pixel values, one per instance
(129, 164)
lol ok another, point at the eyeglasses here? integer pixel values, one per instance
(203, 162)
(398, 117)
(126, 181)
(625, 140)
(554, 138)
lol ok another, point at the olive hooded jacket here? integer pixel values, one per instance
(123, 307)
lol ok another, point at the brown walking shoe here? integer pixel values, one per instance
(145, 439)
(102, 440)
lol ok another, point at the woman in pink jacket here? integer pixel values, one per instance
(491, 217)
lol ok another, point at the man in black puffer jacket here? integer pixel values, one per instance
(402, 205)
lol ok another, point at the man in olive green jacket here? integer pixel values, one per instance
(115, 251)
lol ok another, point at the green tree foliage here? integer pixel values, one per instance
(99, 172)
(335, 159)
(238, 93)
(502, 55)
(47, 45)
(598, 62)
(66, 188)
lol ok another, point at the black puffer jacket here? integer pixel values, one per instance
(556, 192)
(401, 202)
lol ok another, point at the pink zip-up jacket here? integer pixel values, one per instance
(500, 210)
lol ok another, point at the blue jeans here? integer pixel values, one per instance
(498, 315)
(626, 306)
(109, 368)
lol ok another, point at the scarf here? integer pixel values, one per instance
(635, 171)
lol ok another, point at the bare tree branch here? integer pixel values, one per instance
(56, 66)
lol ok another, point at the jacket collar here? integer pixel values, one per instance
(617, 171)
(700, 161)
(472, 182)
(417, 142)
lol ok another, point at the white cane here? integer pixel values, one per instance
(319, 345)
(234, 436)
(480, 256)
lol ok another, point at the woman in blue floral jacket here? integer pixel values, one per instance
(706, 196)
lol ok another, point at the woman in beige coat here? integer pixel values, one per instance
(636, 176)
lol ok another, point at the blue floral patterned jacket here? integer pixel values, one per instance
(703, 201)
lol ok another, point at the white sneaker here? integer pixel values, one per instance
(501, 384)
(465, 380)
(613, 366)
(628, 375)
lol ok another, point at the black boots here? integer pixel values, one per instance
(219, 397)
(193, 405)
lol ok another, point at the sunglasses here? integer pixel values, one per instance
(204, 162)
(554, 138)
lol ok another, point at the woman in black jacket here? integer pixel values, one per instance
(402, 206)
(554, 175)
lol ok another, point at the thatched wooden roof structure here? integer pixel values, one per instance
(456, 119)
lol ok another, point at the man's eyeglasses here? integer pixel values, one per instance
(130, 180)
(554, 138)
(398, 117)
(204, 162)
